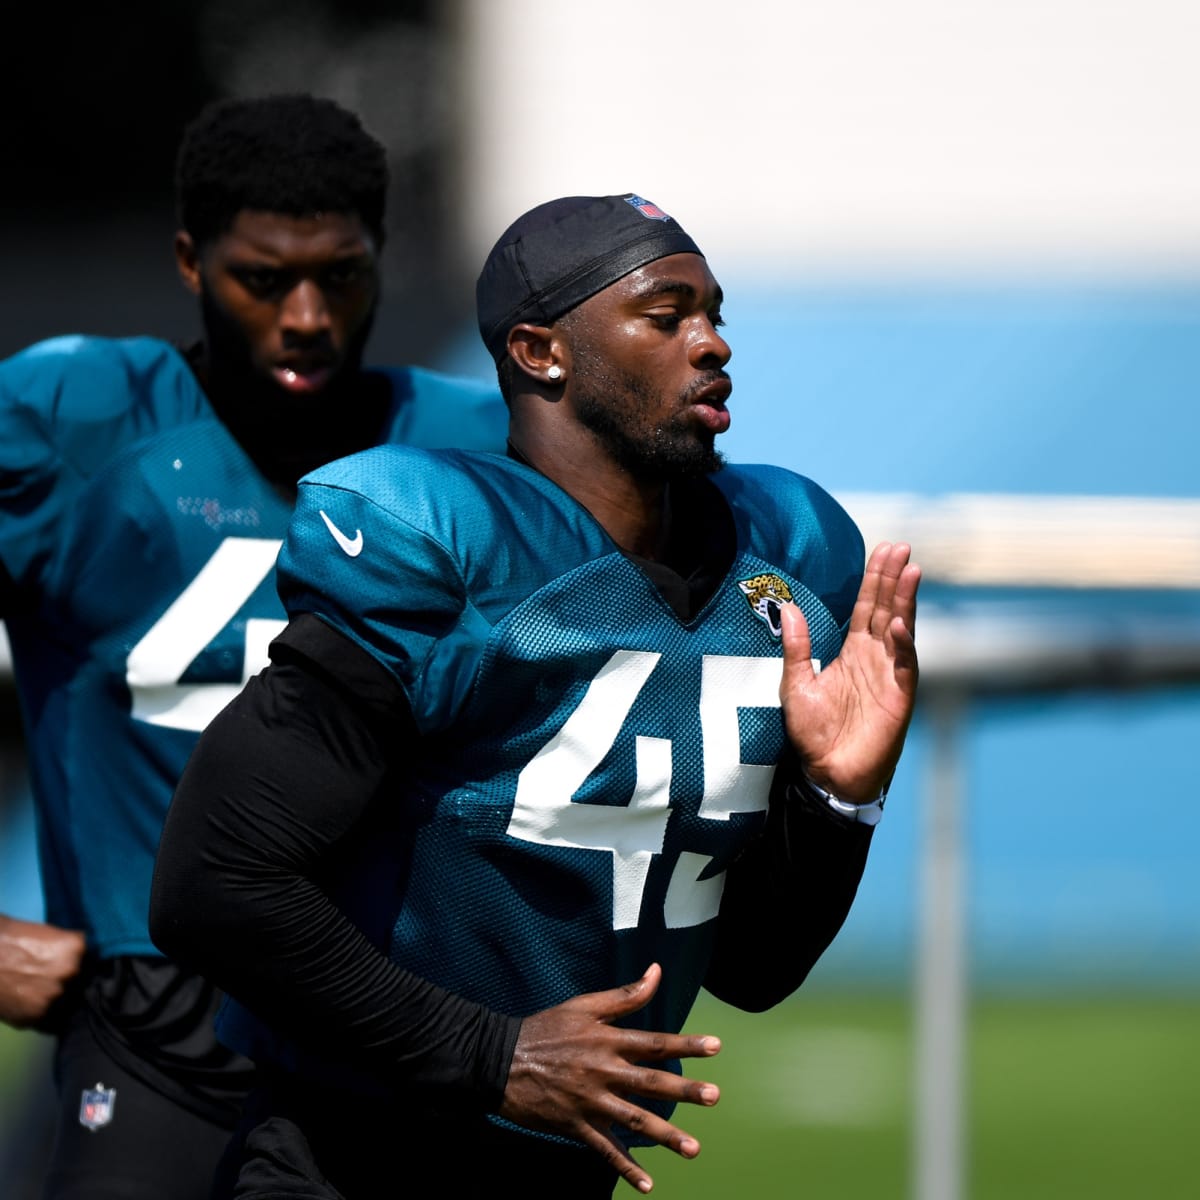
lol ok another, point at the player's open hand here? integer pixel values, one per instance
(37, 965)
(575, 1073)
(848, 722)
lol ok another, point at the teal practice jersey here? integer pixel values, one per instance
(142, 541)
(589, 763)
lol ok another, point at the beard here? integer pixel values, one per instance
(614, 405)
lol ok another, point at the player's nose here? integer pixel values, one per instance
(708, 348)
(305, 310)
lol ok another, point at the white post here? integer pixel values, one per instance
(941, 1000)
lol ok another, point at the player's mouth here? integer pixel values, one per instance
(303, 376)
(708, 403)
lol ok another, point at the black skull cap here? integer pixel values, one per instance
(560, 253)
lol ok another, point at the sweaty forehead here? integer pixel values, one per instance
(686, 275)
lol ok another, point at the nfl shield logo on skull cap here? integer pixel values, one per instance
(647, 209)
(96, 1106)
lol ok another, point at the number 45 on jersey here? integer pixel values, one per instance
(546, 814)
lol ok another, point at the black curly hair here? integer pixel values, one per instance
(295, 154)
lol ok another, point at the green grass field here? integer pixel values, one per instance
(1093, 1097)
(1088, 1097)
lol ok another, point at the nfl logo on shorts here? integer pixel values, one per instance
(96, 1106)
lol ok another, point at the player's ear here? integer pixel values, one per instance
(539, 352)
(187, 261)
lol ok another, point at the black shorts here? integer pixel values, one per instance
(147, 1097)
(144, 1145)
(301, 1143)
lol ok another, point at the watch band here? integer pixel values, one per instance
(870, 813)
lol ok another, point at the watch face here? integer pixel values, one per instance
(870, 814)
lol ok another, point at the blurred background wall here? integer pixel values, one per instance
(960, 243)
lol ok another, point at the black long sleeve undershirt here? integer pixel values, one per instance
(282, 777)
(286, 774)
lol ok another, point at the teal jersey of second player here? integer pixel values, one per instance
(590, 764)
(142, 541)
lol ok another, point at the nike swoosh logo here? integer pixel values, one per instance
(352, 546)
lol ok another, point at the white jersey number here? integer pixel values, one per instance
(157, 663)
(544, 812)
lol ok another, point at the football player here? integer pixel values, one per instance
(146, 491)
(550, 742)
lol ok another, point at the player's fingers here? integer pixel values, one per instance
(901, 612)
(652, 1084)
(623, 1000)
(905, 604)
(868, 591)
(647, 1125)
(797, 649)
(695, 1045)
(647, 1045)
(616, 1156)
(904, 655)
(891, 567)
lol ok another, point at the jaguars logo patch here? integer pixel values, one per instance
(766, 594)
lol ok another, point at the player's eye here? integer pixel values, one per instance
(260, 281)
(666, 320)
(343, 274)
(715, 319)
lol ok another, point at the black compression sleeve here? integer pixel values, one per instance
(281, 778)
(786, 897)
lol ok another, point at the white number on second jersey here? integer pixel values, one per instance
(157, 663)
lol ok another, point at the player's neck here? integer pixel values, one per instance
(635, 516)
(634, 512)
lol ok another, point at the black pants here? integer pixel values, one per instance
(151, 1149)
(311, 1143)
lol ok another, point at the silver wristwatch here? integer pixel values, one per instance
(870, 813)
